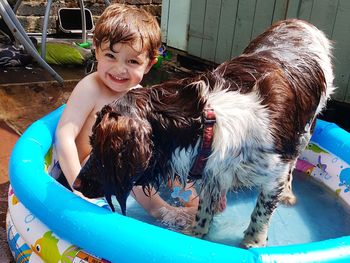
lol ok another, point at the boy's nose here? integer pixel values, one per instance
(122, 69)
(118, 64)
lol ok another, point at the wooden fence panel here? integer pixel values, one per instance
(164, 20)
(177, 23)
(244, 25)
(323, 15)
(211, 26)
(196, 27)
(226, 32)
(219, 30)
(280, 10)
(341, 37)
(305, 9)
(262, 17)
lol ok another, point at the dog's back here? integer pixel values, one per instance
(295, 42)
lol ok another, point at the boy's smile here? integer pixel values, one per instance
(117, 79)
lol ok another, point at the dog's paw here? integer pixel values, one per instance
(288, 199)
(287, 196)
(250, 241)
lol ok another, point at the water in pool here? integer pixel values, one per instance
(318, 215)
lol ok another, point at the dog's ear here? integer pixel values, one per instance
(89, 181)
(122, 146)
(123, 136)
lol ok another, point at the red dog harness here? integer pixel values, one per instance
(204, 150)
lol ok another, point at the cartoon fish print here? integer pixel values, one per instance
(322, 167)
(344, 178)
(318, 170)
(20, 253)
(304, 166)
(14, 199)
(46, 248)
(316, 149)
(48, 158)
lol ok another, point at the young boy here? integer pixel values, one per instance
(126, 41)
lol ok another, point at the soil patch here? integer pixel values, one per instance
(21, 104)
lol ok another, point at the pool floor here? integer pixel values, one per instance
(318, 215)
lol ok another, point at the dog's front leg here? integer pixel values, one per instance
(208, 204)
(256, 233)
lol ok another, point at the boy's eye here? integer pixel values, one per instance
(134, 61)
(109, 55)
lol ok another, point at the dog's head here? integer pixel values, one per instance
(121, 151)
(134, 137)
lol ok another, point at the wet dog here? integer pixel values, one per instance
(243, 124)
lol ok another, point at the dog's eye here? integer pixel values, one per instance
(38, 248)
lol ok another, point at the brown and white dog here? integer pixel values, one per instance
(242, 125)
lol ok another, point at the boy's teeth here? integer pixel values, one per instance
(117, 77)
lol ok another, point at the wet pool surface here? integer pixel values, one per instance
(318, 215)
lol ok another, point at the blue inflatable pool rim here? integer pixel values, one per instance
(123, 239)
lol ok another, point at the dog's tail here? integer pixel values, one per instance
(322, 47)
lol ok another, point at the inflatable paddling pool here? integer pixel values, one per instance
(45, 222)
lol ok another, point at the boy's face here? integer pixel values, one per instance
(123, 68)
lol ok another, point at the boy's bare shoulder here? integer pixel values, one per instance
(87, 90)
(89, 83)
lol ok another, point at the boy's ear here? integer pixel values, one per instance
(93, 47)
(154, 61)
(150, 64)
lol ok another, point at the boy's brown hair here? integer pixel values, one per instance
(121, 23)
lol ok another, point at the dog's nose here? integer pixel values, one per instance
(77, 184)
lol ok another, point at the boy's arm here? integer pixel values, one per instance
(79, 105)
(152, 203)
